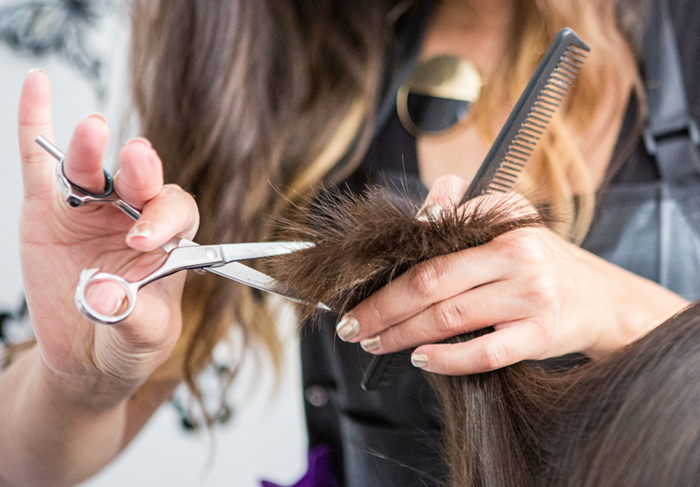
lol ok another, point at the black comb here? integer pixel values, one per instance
(507, 157)
(527, 122)
(383, 369)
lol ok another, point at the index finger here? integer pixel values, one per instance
(420, 287)
(34, 119)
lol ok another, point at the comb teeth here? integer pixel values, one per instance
(530, 117)
(543, 109)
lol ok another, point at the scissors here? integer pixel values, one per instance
(183, 254)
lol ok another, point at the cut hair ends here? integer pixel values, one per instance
(363, 242)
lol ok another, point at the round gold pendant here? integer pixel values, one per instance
(437, 95)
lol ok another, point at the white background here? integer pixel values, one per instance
(266, 438)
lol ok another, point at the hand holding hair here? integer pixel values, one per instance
(543, 296)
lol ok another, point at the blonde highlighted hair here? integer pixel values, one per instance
(559, 173)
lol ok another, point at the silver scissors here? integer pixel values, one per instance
(183, 254)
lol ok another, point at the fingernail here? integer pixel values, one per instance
(98, 116)
(430, 213)
(36, 70)
(370, 344)
(119, 306)
(141, 140)
(419, 360)
(141, 229)
(348, 328)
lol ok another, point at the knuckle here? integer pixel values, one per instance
(543, 288)
(33, 157)
(494, 356)
(175, 195)
(447, 182)
(424, 279)
(447, 317)
(375, 311)
(548, 333)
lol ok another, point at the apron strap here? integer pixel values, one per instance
(672, 134)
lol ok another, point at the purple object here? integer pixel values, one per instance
(320, 473)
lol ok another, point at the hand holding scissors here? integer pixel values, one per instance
(183, 254)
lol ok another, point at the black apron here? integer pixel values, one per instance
(652, 228)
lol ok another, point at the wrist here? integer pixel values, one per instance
(54, 433)
(651, 309)
(636, 306)
(86, 392)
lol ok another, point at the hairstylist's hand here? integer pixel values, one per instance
(97, 364)
(544, 297)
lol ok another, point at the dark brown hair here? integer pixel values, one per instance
(629, 419)
(364, 241)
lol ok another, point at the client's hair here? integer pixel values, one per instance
(628, 419)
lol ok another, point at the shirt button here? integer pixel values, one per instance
(316, 396)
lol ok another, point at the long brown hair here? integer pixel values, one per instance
(244, 100)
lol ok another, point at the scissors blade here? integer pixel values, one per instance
(256, 279)
(258, 250)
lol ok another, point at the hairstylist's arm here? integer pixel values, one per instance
(544, 297)
(73, 402)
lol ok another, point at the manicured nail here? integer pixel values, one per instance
(348, 328)
(141, 229)
(36, 70)
(370, 344)
(119, 306)
(141, 140)
(99, 116)
(419, 360)
(430, 213)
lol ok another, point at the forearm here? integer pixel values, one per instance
(47, 439)
(635, 305)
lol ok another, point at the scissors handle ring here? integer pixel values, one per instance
(87, 196)
(77, 196)
(90, 277)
